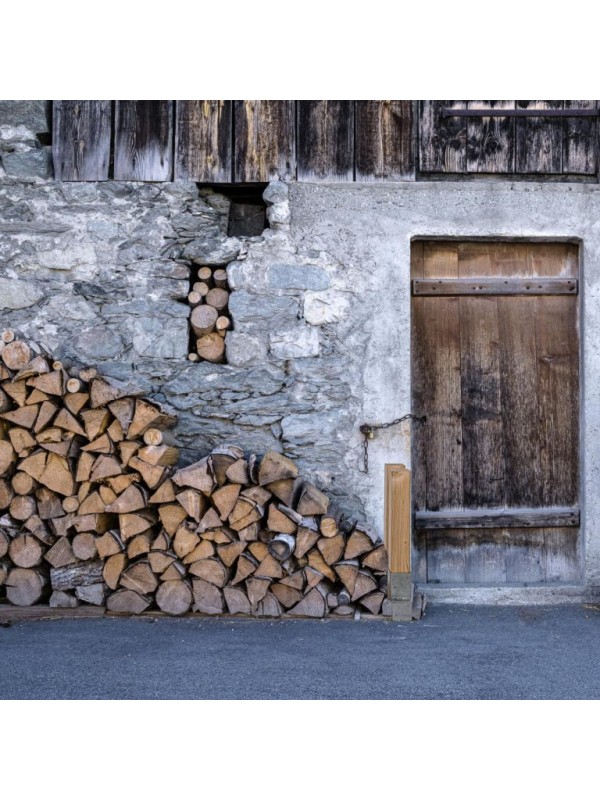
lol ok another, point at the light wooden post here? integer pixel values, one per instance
(398, 540)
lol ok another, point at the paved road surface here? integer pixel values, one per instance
(454, 652)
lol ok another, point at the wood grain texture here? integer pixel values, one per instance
(539, 140)
(580, 141)
(384, 140)
(561, 517)
(442, 142)
(516, 441)
(490, 140)
(81, 131)
(325, 130)
(398, 517)
(143, 140)
(494, 286)
(265, 140)
(203, 140)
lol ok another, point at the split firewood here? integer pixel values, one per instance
(276, 467)
(282, 546)
(237, 601)
(365, 584)
(60, 599)
(217, 298)
(61, 553)
(347, 572)
(222, 325)
(24, 587)
(84, 546)
(311, 605)
(287, 595)
(358, 543)
(22, 507)
(140, 578)
(312, 501)
(138, 546)
(376, 560)
(25, 551)
(280, 522)
(208, 599)
(126, 601)
(203, 320)
(16, 355)
(94, 594)
(211, 347)
(211, 570)
(257, 588)
(174, 597)
(373, 601)
(332, 549)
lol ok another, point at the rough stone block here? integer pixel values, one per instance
(295, 276)
(99, 342)
(33, 114)
(15, 293)
(212, 250)
(160, 337)
(29, 164)
(265, 309)
(299, 342)
(243, 350)
(321, 308)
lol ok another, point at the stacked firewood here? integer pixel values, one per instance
(210, 319)
(95, 511)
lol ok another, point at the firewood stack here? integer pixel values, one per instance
(210, 319)
(93, 510)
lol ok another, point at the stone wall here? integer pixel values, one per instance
(99, 272)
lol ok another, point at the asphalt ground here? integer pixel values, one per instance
(454, 652)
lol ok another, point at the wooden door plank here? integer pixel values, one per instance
(539, 139)
(437, 388)
(325, 140)
(265, 140)
(81, 131)
(491, 140)
(485, 557)
(525, 562)
(558, 517)
(494, 286)
(562, 556)
(442, 142)
(558, 393)
(144, 140)
(384, 140)
(580, 141)
(446, 561)
(203, 133)
(398, 517)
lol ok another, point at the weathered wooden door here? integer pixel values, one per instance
(496, 374)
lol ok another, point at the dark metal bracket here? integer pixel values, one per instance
(519, 112)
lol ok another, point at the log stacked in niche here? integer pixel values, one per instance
(210, 318)
(95, 510)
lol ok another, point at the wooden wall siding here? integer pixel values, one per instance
(498, 380)
(507, 145)
(203, 141)
(265, 140)
(325, 140)
(384, 140)
(143, 140)
(81, 131)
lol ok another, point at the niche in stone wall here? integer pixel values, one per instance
(210, 318)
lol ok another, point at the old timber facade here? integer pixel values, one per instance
(423, 256)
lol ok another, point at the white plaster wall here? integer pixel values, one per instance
(368, 229)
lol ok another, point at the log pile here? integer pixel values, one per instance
(94, 510)
(210, 319)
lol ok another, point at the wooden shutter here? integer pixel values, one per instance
(496, 373)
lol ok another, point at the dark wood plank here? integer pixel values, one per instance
(81, 131)
(498, 518)
(484, 471)
(143, 140)
(495, 286)
(384, 140)
(325, 140)
(442, 142)
(491, 140)
(580, 142)
(265, 140)
(203, 134)
(436, 387)
(539, 140)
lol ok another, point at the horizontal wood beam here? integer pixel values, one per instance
(557, 517)
(504, 286)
